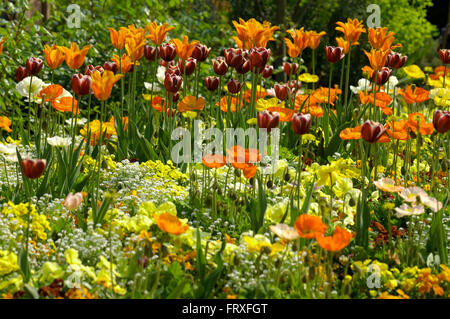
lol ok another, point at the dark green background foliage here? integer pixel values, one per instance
(209, 21)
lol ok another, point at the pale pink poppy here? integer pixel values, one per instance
(284, 231)
(72, 201)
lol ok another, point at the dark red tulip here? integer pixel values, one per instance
(233, 57)
(175, 96)
(81, 84)
(290, 68)
(441, 121)
(211, 83)
(295, 84)
(268, 120)
(372, 131)
(301, 123)
(188, 65)
(111, 66)
(165, 64)
(444, 54)
(282, 91)
(259, 58)
(21, 73)
(34, 65)
(33, 168)
(234, 86)
(201, 52)
(150, 53)
(383, 75)
(167, 52)
(267, 72)
(396, 60)
(334, 54)
(220, 67)
(173, 82)
(90, 68)
(244, 67)
(173, 69)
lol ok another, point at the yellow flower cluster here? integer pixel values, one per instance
(8, 262)
(165, 170)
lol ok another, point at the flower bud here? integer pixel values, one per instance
(282, 91)
(211, 83)
(441, 121)
(72, 201)
(167, 52)
(267, 72)
(21, 73)
(201, 52)
(234, 86)
(33, 168)
(395, 60)
(90, 68)
(301, 123)
(111, 66)
(290, 68)
(334, 54)
(268, 120)
(34, 65)
(175, 97)
(244, 67)
(233, 57)
(259, 58)
(172, 82)
(372, 131)
(383, 75)
(220, 66)
(188, 65)
(150, 53)
(81, 84)
(444, 54)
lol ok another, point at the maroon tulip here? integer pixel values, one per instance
(267, 72)
(234, 86)
(220, 66)
(175, 96)
(34, 65)
(334, 54)
(396, 60)
(290, 68)
(201, 52)
(372, 131)
(259, 58)
(173, 69)
(244, 67)
(441, 121)
(295, 84)
(167, 52)
(188, 65)
(150, 53)
(111, 66)
(282, 91)
(90, 68)
(211, 83)
(444, 54)
(301, 123)
(268, 120)
(81, 84)
(383, 75)
(21, 73)
(33, 168)
(233, 57)
(173, 82)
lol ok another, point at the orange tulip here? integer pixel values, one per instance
(285, 113)
(338, 241)
(301, 42)
(157, 32)
(380, 39)
(64, 104)
(118, 37)
(184, 48)
(351, 29)
(102, 83)
(214, 160)
(314, 38)
(377, 58)
(54, 56)
(124, 63)
(191, 103)
(351, 133)
(134, 45)
(309, 226)
(74, 56)
(252, 34)
(415, 95)
(170, 224)
(1, 44)
(344, 44)
(5, 123)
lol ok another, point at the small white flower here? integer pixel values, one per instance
(8, 149)
(23, 87)
(156, 86)
(161, 74)
(363, 84)
(79, 122)
(58, 141)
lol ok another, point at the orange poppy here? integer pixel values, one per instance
(351, 133)
(249, 171)
(118, 37)
(170, 224)
(309, 226)
(398, 130)
(158, 103)
(377, 58)
(439, 71)
(124, 122)
(1, 44)
(381, 39)
(344, 44)
(239, 157)
(184, 48)
(252, 33)
(64, 104)
(321, 94)
(414, 96)
(102, 83)
(314, 38)
(191, 103)
(214, 160)
(306, 100)
(351, 29)
(285, 113)
(157, 32)
(54, 56)
(74, 56)
(5, 123)
(338, 241)
(382, 99)
(259, 94)
(301, 42)
(51, 92)
(418, 119)
(224, 104)
(314, 110)
(367, 70)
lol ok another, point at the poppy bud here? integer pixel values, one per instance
(33, 168)
(73, 201)
(282, 91)
(244, 67)
(267, 72)
(173, 82)
(441, 121)
(259, 57)
(233, 57)
(200, 52)
(290, 68)
(81, 84)
(234, 86)
(444, 54)
(334, 54)
(111, 66)
(175, 96)
(188, 65)
(395, 60)
(34, 65)
(301, 123)
(372, 131)
(211, 83)
(383, 75)
(167, 52)
(90, 68)
(268, 120)
(21, 73)
(220, 66)
(150, 53)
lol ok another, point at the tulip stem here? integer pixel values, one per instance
(299, 169)
(347, 78)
